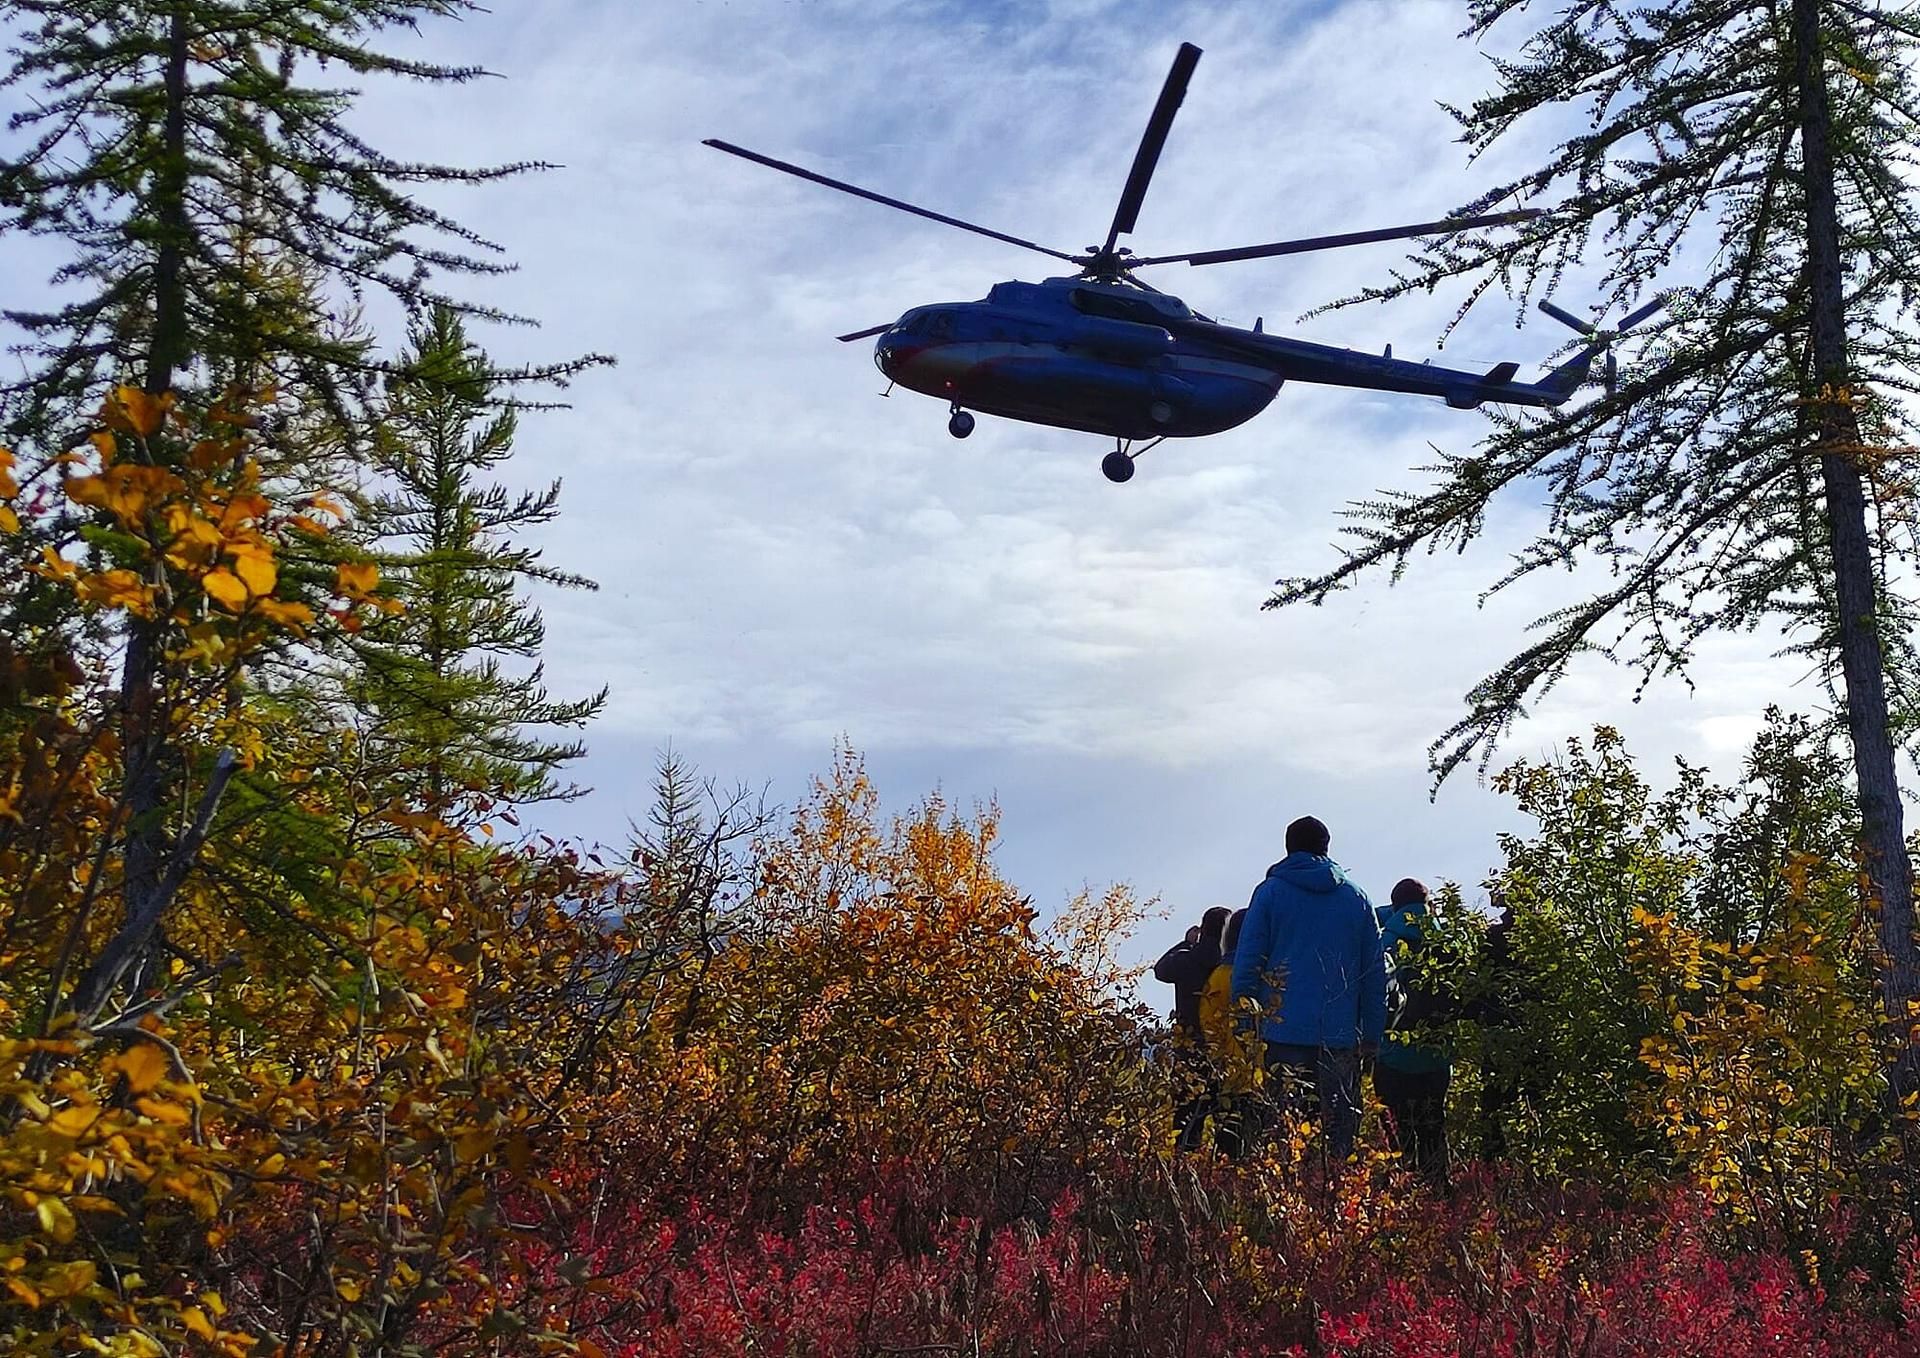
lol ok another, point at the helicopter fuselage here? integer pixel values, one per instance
(1077, 356)
(1120, 360)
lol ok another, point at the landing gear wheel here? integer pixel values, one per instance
(1117, 467)
(960, 425)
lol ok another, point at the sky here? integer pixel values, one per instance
(787, 560)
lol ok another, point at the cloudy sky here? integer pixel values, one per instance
(788, 559)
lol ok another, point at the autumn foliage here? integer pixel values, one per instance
(311, 1045)
(815, 1083)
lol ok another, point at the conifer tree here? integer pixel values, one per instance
(1754, 158)
(165, 145)
(441, 710)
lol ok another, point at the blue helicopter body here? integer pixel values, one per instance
(1105, 358)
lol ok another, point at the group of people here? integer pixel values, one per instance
(1281, 1005)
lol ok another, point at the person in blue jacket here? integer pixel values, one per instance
(1310, 956)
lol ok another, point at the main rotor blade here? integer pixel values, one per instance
(1152, 140)
(1296, 247)
(863, 334)
(871, 196)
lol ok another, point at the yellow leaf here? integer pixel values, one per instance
(209, 453)
(225, 589)
(104, 444)
(142, 410)
(55, 1219)
(256, 572)
(9, 521)
(519, 1153)
(291, 616)
(145, 1066)
(348, 1288)
(69, 1279)
(54, 566)
(163, 1112)
(197, 1323)
(355, 579)
(116, 589)
(473, 1143)
(73, 1123)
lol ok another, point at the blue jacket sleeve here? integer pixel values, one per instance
(1250, 956)
(1372, 960)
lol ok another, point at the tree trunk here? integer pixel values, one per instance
(168, 345)
(143, 702)
(1837, 436)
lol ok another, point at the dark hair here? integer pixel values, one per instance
(1213, 923)
(1408, 890)
(1232, 939)
(1308, 835)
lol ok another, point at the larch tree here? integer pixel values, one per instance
(1750, 162)
(449, 688)
(168, 147)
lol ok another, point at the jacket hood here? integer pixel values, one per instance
(1309, 872)
(1407, 921)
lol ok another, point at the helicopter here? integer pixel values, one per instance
(1103, 352)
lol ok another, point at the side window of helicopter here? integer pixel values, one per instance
(940, 325)
(1092, 303)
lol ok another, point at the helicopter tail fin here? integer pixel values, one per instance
(1566, 379)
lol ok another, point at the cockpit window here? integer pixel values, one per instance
(1118, 307)
(940, 325)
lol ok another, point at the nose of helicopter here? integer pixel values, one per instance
(887, 349)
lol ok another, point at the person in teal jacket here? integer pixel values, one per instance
(1411, 1079)
(1310, 956)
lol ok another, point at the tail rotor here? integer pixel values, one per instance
(1600, 340)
